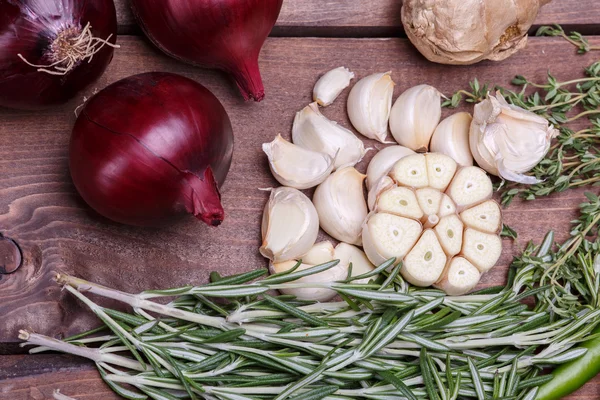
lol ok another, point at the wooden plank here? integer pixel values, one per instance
(381, 17)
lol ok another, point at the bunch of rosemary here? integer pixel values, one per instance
(232, 340)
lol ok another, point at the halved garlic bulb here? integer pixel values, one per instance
(331, 84)
(459, 277)
(295, 166)
(313, 131)
(320, 253)
(341, 205)
(369, 104)
(349, 254)
(451, 137)
(414, 117)
(336, 273)
(383, 161)
(290, 225)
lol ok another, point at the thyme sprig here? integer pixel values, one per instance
(575, 38)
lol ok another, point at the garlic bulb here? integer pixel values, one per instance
(507, 140)
(415, 115)
(451, 137)
(369, 105)
(383, 161)
(336, 273)
(341, 205)
(295, 166)
(320, 253)
(331, 84)
(313, 131)
(416, 219)
(349, 254)
(290, 225)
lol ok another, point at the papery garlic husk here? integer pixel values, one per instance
(383, 161)
(414, 117)
(459, 277)
(451, 137)
(320, 253)
(369, 105)
(290, 225)
(331, 84)
(333, 274)
(341, 205)
(349, 254)
(507, 140)
(313, 131)
(295, 166)
(384, 184)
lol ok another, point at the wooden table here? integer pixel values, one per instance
(41, 210)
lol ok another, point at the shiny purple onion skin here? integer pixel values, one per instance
(223, 34)
(29, 27)
(151, 148)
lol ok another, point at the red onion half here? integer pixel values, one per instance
(223, 34)
(51, 49)
(152, 147)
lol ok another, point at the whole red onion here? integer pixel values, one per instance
(151, 147)
(51, 49)
(224, 34)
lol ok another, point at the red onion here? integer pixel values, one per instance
(51, 49)
(224, 34)
(151, 147)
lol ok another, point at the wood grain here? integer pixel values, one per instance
(359, 18)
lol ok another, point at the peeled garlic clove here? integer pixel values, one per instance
(486, 217)
(440, 170)
(341, 205)
(447, 207)
(481, 249)
(411, 171)
(400, 201)
(369, 105)
(290, 225)
(424, 264)
(459, 277)
(313, 131)
(295, 166)
(429, 200)
(470, 186)
(383, 162)
(386, 235)
(384, 184)
(331, 84)
(348, 254)
(337, 273)
(320, 253)
(415, 115)
(450, 233)
(451, 137)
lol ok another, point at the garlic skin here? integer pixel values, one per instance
(331, 84)
(290, 225)
(320, 253)
(313, 131)
(347, 254)
(451, 137)
(341, 205)
(414, 117)
(383, 161)
(384, 184)
(336, 273)
(369, 105)
(507, 140)
(295, 166)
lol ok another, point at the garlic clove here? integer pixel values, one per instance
(424, 264)
(337, 273)
(383, 162)
(459, 277)
(450, 234)
(440, 170)
(486, 217)
(295, 166)
(447, 207)
(313, 131)
(429, 200)
(347, 254)
(384, 184)
(386, 235)
(470, 186)
(481, 249)
(400, 201)
(341, 205)
(415, 115)
(411, 171)
(320, 253)
(331, 84)
(369, 104)
(451, 137)
(290, 225)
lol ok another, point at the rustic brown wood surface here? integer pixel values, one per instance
(40, 209)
